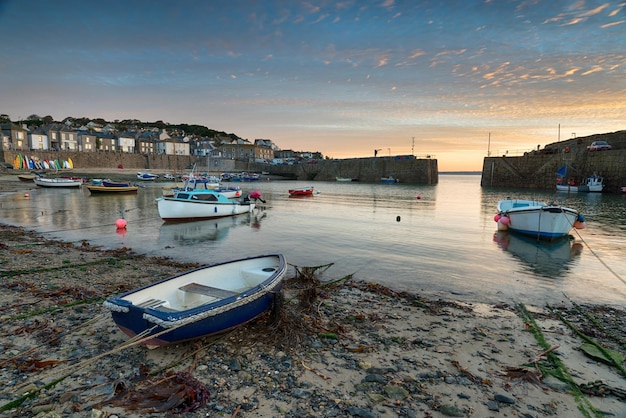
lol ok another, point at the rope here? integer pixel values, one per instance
(617, 276)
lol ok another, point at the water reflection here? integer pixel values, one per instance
(196, 232)
(546, 259)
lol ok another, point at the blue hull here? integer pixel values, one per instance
(174, 326)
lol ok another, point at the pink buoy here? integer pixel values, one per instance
(504, 220)
(255, 194)
(26, 195)
(580, 225)
(120, 224)
(497, 217)
(419, 196)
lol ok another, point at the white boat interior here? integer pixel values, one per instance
(203, 286)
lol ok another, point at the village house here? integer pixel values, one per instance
(126, 142)
(106, 142)
(14, 137)
(87, 141)
(38, 140)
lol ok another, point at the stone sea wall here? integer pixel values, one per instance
(407, 170)
(537, 169)
(371, 170)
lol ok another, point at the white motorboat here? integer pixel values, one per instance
(537, 219)
(197, 204)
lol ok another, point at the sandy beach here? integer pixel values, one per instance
(346, 349)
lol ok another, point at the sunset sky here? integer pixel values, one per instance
(445, 78)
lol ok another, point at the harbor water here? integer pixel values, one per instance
(438, 240)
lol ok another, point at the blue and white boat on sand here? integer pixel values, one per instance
(537, 219)
(197, 204)
(142, 175)
(204, 301)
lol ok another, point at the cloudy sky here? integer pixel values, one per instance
(451, 78)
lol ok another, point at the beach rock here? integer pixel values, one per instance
(493, 406)
(375, 378)
(360, 412)
(396, 392)
(235, 365)
(503, 399)
(451, 411)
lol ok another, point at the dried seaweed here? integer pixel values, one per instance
(177, 393)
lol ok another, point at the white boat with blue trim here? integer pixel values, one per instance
(204, 301)
(537, 219)
(193, 205)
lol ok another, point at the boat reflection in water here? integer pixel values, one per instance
(547, 259)
(192, 233)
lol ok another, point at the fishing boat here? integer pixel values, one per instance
(302, 191)
(537, 219)
(195, 205)
(142, 175)
(566, 183)
(107, 186)
(57, 182)
(623, 189)
(343, 179)
(204, 301)
(591, 184)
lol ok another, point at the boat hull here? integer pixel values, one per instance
(537, 219)
(57, 182)
(112, 189)
(249, 287)
(305, 191)
(171, 209)
(146, 176)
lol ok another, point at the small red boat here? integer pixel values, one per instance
(302, 191)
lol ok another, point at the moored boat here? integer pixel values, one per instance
(302, 191)
(389, 180)
(565, 182)
(202, 184)
(591, 184)
(537, 219)
(111, 187)
(57, 182)
(141, 175)
(201, 204)
(28, 177)
(204, 301)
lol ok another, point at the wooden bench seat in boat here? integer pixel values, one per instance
(151, 303)
(156, 304)
(207, 290)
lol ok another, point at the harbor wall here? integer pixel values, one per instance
(371, 170)
(537, 169)
(405, 168)
(82, 160)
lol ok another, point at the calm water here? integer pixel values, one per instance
(444, 244)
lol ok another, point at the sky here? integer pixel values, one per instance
(456, 80)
